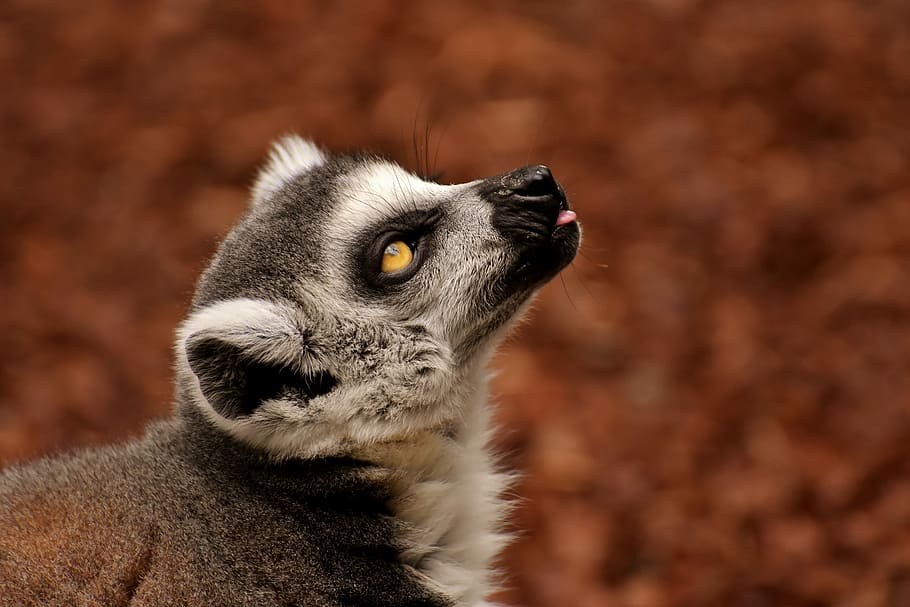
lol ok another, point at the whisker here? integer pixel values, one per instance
(566, 289)
(436, 172)
(426, 146)
(414, 143)
(592, 261)
(596, 249)
(581, 280)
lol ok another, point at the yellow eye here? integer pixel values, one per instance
(396, 256)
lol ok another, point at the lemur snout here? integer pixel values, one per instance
(533, 181)
(529, 194)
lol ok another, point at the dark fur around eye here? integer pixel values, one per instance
(416, 228)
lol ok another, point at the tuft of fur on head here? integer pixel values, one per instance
(289, 157)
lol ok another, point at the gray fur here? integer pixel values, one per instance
(329, 440)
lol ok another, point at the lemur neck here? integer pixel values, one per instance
(441, 485)
(446, 491)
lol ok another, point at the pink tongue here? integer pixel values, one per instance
(565, 217)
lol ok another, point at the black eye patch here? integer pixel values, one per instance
(416, 228)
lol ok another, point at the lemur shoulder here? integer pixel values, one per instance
(328, 444)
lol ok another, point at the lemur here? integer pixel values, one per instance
(329, 440)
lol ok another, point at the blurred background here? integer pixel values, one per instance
(712, 407)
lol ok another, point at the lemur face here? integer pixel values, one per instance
(352, 301)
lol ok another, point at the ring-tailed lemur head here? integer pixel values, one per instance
(355, 302)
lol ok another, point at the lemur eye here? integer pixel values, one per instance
(397, 255)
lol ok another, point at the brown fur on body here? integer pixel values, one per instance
(86, 538)
(89, 530)
(75, 550)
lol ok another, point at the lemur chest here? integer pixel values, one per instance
(447, 495)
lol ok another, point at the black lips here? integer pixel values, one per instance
(526, 204)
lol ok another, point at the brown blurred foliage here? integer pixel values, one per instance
(710, 409)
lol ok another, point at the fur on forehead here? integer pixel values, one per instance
(288, 158)
(382, 189)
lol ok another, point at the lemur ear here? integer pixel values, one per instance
(288, 158)
(243, 353)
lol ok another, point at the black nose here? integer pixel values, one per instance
(532, 181)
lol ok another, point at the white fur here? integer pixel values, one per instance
(382, 189)
(289, 157)
(449, 492)
(331, 424)
(264, 328)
